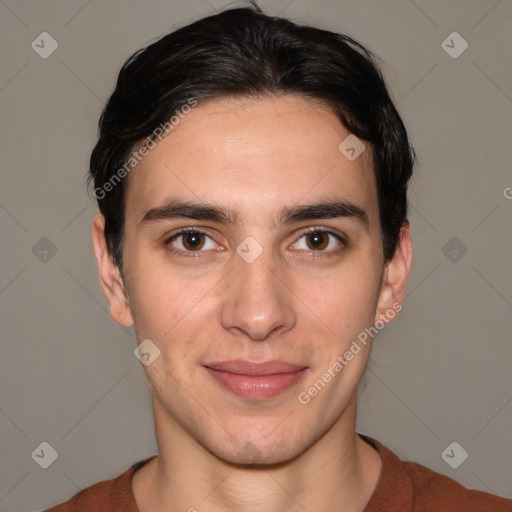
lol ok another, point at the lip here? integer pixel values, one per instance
(256, 381)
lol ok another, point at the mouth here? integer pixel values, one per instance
(256, 381)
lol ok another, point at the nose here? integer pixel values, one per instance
(257, 303)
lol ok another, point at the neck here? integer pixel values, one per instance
(338, 472)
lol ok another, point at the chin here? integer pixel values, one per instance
(260, 452)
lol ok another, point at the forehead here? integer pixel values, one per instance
(255, 155)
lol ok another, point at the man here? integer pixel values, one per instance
(251, 176)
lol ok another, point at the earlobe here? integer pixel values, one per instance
(395, 277)
(110, 276)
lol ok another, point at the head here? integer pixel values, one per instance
(234, 128)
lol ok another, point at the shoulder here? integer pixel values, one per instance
(411, 487)
(109, 495)
(434, 491)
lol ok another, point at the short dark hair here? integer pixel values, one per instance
(244, 53)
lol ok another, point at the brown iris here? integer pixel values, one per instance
(193, 240)
(317, 240)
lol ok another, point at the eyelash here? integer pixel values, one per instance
(195, 254)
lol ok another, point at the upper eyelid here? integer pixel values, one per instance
(314, 229)
(184, 231)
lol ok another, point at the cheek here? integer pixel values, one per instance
(171, 310)
(156, 308)
(343, 299)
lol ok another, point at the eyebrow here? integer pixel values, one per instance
(326, 209)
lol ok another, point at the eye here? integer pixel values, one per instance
(190, 240)
(319, 240)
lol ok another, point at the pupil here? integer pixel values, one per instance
(192, 240)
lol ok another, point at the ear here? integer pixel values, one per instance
(394, 279)
(110, 275)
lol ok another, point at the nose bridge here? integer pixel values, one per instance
(257, 302)
(257, 280)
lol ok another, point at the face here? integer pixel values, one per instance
(253, 261)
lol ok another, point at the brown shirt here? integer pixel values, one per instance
(402, 487)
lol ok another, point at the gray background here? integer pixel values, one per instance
(440, 373)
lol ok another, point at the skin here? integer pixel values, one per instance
(296, 304)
